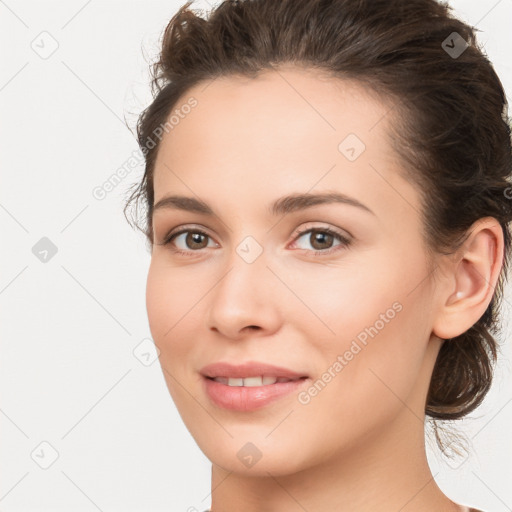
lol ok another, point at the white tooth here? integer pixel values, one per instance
(249, 381)
(235, 382)
(252, 381)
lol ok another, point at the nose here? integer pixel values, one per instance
(246, 300)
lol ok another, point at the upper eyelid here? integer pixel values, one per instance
(343, 233)
(184, 229)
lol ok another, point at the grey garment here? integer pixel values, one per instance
(470, 510)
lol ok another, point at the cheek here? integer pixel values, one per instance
(377, 292)
(156, 301)
(338, 303)
(166, 304)
(372, 382)
(372, 336)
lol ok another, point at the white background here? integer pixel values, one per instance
(69, 326)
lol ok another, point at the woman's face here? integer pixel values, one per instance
(351, 310)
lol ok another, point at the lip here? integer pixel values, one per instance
(241, 398)
(249, 369)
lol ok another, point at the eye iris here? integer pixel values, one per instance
(194, 238)
(321, 236)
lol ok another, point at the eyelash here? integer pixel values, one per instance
(344, 241)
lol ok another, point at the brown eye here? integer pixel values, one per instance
(195, 240)
(321, 240)
(191, 240)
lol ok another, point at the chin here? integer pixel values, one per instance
(253, 455)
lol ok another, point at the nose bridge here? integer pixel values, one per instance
(247, 271)
(245, 295)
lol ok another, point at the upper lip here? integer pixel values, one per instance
(249, 369)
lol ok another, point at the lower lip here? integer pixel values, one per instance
(241, 398)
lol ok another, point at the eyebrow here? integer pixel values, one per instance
(283, 205)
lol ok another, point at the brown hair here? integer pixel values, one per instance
(450, 122)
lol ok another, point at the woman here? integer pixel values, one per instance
(327, 206)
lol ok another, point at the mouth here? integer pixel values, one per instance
(250, 386)
(250, 374)
(250, 382)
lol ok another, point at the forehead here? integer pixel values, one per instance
(285, 129)
(276, 107)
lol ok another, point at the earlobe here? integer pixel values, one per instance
(474, 275)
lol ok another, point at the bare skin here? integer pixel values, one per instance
(358, 445)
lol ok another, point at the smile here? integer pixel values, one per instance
(252, 381)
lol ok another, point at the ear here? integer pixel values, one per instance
(472, 278)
